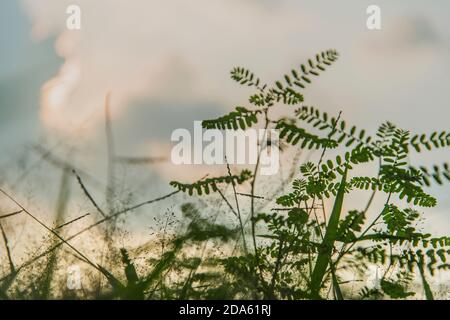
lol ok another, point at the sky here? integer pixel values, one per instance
(167, 63)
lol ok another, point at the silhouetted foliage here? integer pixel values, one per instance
(299, 249)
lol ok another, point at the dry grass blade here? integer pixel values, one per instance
(88, 195)
(249, 195)
(10, 214)
(237, 207)
(71, 221)
(110, 188)
(140, 160)
(227, 202)
(8, 251)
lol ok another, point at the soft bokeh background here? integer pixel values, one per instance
(166, 64)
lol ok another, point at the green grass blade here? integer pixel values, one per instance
(426, 286)
(324, 257)
(336, 287)
(165, 263)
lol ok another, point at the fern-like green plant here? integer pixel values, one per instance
(303, 254)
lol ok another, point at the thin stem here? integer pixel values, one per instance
(253, 183)
(238, 216)
(276, 269)
(8, 251)
(110, 188)
(237, 206)
(10, 214)
(88, 195)
(71, 221)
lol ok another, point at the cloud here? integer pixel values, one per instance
(153, 48)
(407, 33)
(179, 51)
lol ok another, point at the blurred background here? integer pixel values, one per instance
(166, 64)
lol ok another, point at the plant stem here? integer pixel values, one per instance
(253, 183)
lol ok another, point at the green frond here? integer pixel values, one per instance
(385, 132)
(438, 174)
(406, 184)
(435, 140)
(395, 289)
(335, 129)
(293, 135)
(303, 75)
(288, 96)
(296, 197)
(396, 153)
(368, 183)
(245, 77)
(352, 223)
(260, 99)
(399, 222)
(241, 118)
(210, 184)
(432, 259)
(341, 163)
